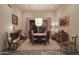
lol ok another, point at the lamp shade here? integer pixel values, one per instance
(39, 21)
(11, 28)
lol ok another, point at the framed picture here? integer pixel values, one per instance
(14, 19)
(64, 21)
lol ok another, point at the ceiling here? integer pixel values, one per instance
(39, 7)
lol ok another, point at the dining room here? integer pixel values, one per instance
(45, 28)
(39, 30)
(39, 36)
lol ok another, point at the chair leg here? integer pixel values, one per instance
(29, 42)
(49, 43)
(9, 46)
(16, 45)
(45, 43)
(71, 49)
(32, 43)
(61, 48)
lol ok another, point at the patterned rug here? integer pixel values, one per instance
(25, 49)
(32, 53)
(38, 52)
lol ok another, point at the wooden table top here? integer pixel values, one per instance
(39, 34)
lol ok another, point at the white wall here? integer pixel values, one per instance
(5, 22)
(73, 11)
(30, 14)
(16, 11)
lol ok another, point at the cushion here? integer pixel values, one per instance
(16, 40)
(14, 35)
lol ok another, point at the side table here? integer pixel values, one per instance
(23, 37)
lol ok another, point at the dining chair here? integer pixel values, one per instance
(31, 37)
(47, 37)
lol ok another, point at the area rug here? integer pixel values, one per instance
(32, 53)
